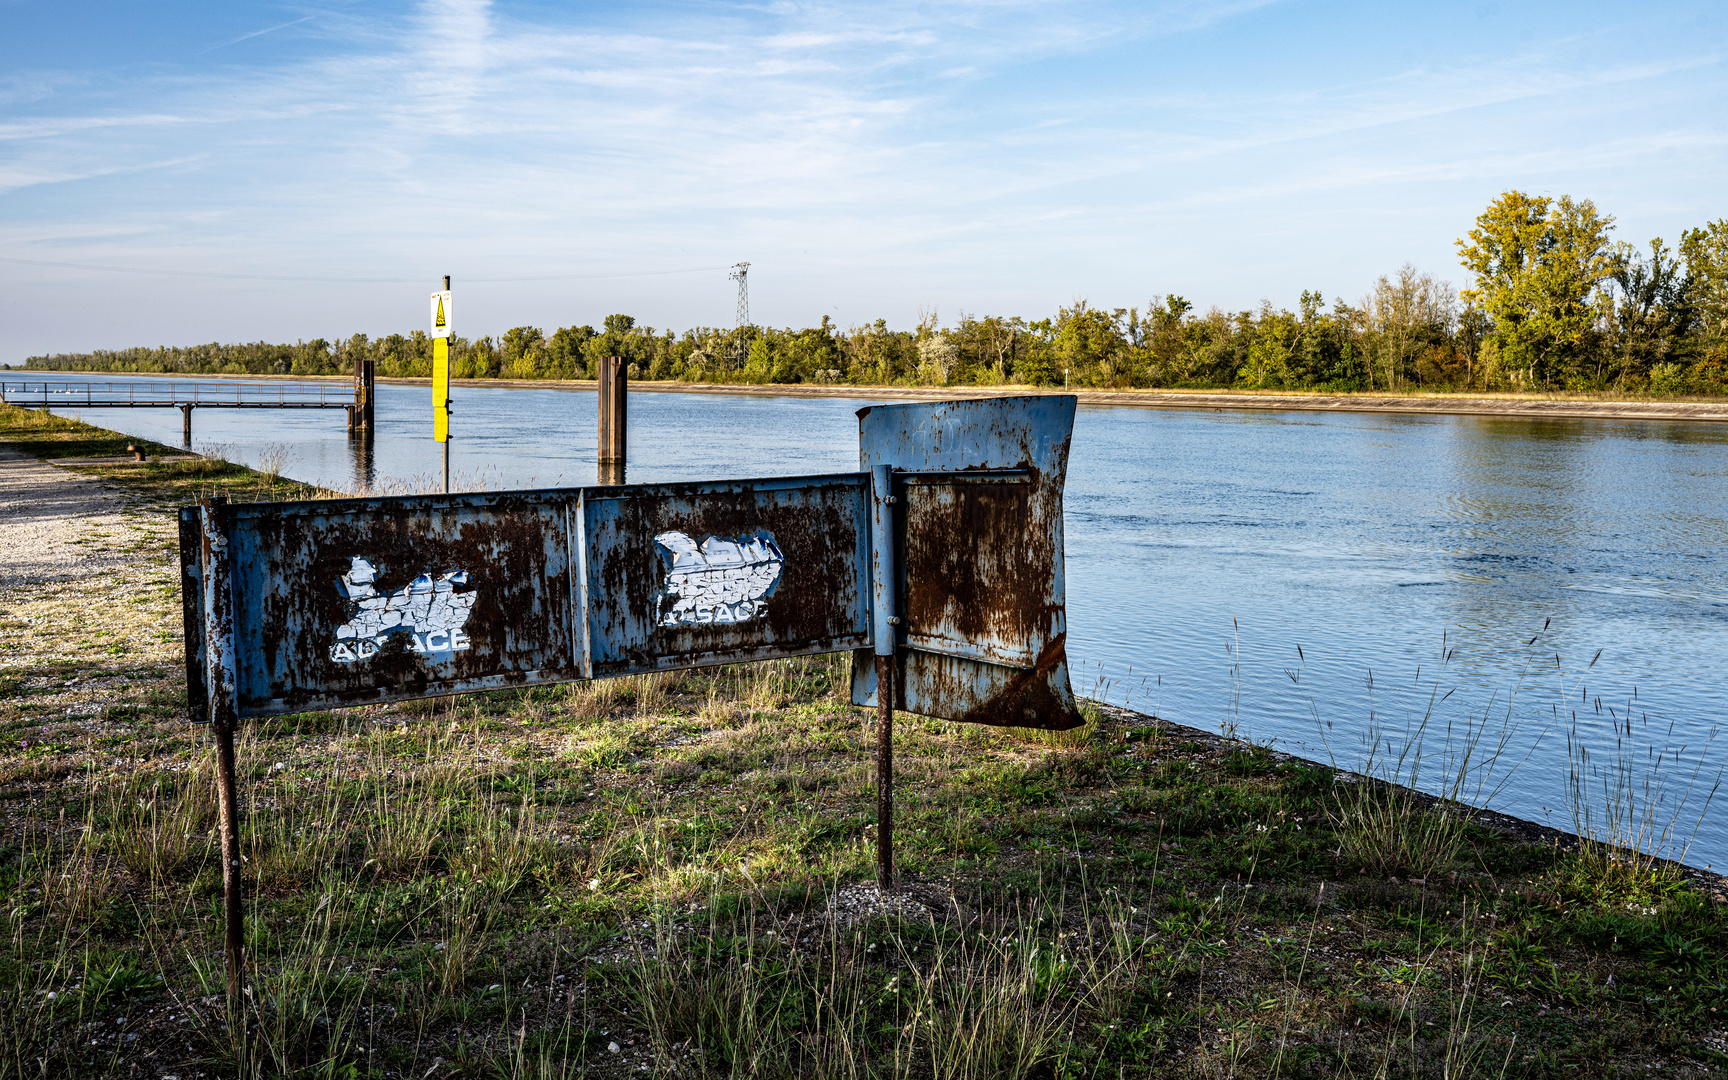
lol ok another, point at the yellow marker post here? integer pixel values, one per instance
(441, 374)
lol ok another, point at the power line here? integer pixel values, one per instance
(347, 281)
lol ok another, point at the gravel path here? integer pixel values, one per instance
(53, 523)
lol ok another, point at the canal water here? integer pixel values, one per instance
(1488, 595)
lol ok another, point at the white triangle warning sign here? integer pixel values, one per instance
(441, 313)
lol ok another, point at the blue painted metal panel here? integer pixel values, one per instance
(980, 597)
(348, 601)
(680, 575)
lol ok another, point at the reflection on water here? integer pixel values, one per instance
(1309, 578)
(365, 475)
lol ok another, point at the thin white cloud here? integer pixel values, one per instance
(261, 33)
(59, 126)
(14, 178)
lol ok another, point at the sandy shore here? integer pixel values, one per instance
(55, 524)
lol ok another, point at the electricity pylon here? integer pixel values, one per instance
(740, 273)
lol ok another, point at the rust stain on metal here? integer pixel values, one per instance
(817, 604)
(980, 549)
(977, 567)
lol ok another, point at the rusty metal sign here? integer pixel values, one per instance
(311, 605)
(355, 601)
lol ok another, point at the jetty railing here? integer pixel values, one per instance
(140, 395)
(356, 397)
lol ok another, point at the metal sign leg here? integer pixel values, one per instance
(885, 773)
(233, 908)
(220, 685)
(882, 587)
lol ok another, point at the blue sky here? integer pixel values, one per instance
(869, 160)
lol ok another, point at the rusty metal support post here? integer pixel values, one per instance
(882, 587)
(186, 425)
(614, 419)
(220, 681)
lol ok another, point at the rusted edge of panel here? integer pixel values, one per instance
(493, 499)
(192, 615)
(1029, 693)
(215, 568)
(970, 476)
(883, 578)
(1034, 697)
(849, 643)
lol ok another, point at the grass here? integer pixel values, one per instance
(1628, 811)
(170, 477)
(673, 876)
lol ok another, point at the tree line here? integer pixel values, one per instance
(1554, 304)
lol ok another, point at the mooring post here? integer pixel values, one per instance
(186, 425)
(614, 419)
(220, 680)
(367, 413)
(882, 578)
(360, 413)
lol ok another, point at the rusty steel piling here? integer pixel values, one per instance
(361, 412)
(614, 419)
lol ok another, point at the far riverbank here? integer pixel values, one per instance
(1526, 406)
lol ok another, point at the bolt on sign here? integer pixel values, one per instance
(942, 556)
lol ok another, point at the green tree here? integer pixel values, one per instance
(565, 352)
(1090, 348)
(1040, 367)
(523, 350)
(1705, 252)
(1649, 318)
(1409, 320)
(1537, 263)
(1273, 339)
